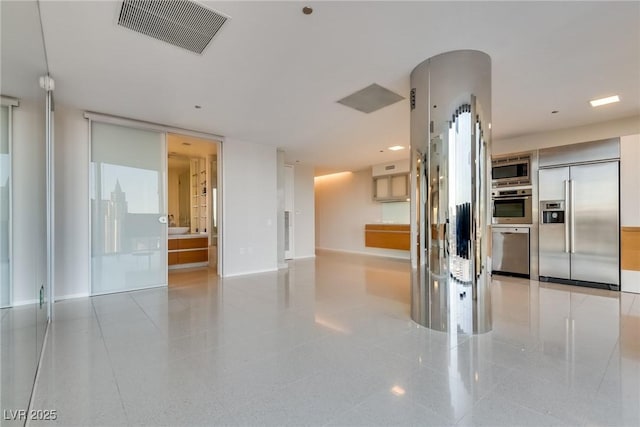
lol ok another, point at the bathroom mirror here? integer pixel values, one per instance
(23, 206)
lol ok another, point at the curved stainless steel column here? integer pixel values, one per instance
(450, 150)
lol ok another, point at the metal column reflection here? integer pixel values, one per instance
(450, 149)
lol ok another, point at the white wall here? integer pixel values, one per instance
(630, 199)
(592, 132)
(71, 203)
(343, 205)
(28, 201)
(249, 192)
(304, 209)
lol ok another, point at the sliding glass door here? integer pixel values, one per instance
(5, 186)
(128, 208)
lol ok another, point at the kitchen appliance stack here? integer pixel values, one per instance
(556, 214)
(512, 214)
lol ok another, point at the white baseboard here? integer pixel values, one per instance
(71, 296)
(246, 273)
(630, 281)
(25, 302)
(304, 256)
(191, 265)
(406, 256)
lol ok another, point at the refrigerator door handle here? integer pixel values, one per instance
(572, 217)
(568, 219)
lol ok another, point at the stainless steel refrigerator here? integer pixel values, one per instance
(579, 238)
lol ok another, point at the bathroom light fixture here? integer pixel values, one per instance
(396, 148)
(604, 101)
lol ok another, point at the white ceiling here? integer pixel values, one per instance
(273, 75)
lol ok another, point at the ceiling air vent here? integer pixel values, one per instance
(182, 23)
(371, 98)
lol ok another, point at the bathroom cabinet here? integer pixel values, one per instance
(188, 250)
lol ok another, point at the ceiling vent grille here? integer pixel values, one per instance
(182, 23)
(371, 98)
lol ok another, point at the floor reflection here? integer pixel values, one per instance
(329, 341)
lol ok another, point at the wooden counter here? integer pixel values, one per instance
(630, 248)
(387, 236)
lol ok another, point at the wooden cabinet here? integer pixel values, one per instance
(387, 236)
(188, 252)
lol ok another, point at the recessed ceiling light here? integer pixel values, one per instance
(396, 148)
(398, 391)
(604, 101)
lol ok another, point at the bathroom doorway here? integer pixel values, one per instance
(193, 207)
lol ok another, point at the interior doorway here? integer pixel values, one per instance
(289, 250)
(193, 196)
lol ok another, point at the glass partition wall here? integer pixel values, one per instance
(25, 234)
(128, 208)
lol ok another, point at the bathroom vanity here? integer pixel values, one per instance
(188, 250)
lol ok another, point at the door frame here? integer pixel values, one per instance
(164, 129)
(10, 103)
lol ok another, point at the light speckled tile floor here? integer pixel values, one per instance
(330, 342)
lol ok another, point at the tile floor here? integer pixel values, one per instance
(330, 342)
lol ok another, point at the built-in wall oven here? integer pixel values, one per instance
(512, 206)
(511, 171)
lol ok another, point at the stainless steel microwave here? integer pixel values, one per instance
(511, 171)
(512, 206)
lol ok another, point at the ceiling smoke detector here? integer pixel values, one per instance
(182, 23)
(371, 98)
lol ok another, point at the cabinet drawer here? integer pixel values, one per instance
(173, 258)
(173, 244)
(189, 257)
(200, 242)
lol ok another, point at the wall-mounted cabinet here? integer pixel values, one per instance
(391, 181)
(391, 188)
